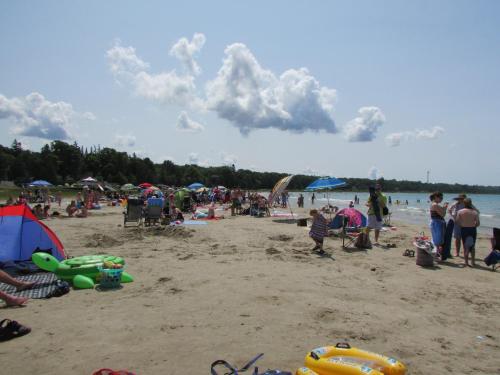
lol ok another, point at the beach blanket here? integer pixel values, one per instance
(46, 283)
(194, 222)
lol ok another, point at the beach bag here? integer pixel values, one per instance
(492, 258)
(385, 211)
(363, 241)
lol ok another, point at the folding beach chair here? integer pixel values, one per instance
(134, 213)
(153, 211)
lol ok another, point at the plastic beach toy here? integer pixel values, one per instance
(342, 359)
(81, 271)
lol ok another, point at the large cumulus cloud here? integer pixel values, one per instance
(166, 87)
(364, 127)
(35, 116)
(251, 97)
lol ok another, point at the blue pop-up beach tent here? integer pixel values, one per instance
(21, 234)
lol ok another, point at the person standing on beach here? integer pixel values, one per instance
(319, 230)
(437, 224)
(312, 199)
(453, 211)
(468, 219)
(376, 204)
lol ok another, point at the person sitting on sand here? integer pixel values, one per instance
(38, 211)
(319, 230)
(437, 224)
(83, 212)
(71, 209)
(46, 213)
(20, 285)
(468, 219)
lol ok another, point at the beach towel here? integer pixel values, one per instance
(46, 284)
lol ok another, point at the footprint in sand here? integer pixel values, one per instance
(326, 314)
(272, 251)
(186, 257)
(163, 280)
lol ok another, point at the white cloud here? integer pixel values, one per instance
(251, 97)
(395, 139)
(429, 133)
(228, 159)
(310, 171)
(185, 51)
(374, 173)
(35, 116)
(123, 61)
(364, 127)
(193, 158)
(125, 140)
(184, 123)
(167, 87)
(89, 116)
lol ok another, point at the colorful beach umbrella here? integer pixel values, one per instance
(355, 219)
(128, 187)
(42, 183)
(325, 183)
(279, 188)
(195, 186)
(145, 185)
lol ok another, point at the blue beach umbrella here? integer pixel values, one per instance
(325, 183)
(195, 186)
(40, 183)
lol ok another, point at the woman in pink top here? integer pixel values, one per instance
(468, 219)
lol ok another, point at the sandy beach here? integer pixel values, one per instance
(241, 286)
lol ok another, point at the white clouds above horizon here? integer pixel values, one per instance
(374, 173)
(251, 97)
(243, 92)
(184, 50)
(125, 140)
(395, 139)
(364, 127)
(186, 124)
(166, 87)
(35, 116)
(228, 159)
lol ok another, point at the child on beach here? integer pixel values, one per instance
(319, 230)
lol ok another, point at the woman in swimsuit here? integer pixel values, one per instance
(437, 224)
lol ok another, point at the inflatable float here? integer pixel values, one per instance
(342, 359)
(81, 271)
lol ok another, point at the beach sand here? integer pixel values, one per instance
(241, 286)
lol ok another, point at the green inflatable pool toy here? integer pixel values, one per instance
(81, 271)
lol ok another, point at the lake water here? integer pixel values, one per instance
(415, 212)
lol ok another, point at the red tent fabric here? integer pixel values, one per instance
(21, 234)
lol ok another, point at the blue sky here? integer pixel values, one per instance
(389, 88)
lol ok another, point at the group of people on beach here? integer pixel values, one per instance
(465, 218)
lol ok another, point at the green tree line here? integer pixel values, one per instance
(60, 162)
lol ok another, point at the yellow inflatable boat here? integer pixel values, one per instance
(342, 359)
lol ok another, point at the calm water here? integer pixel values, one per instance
(415, 212)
